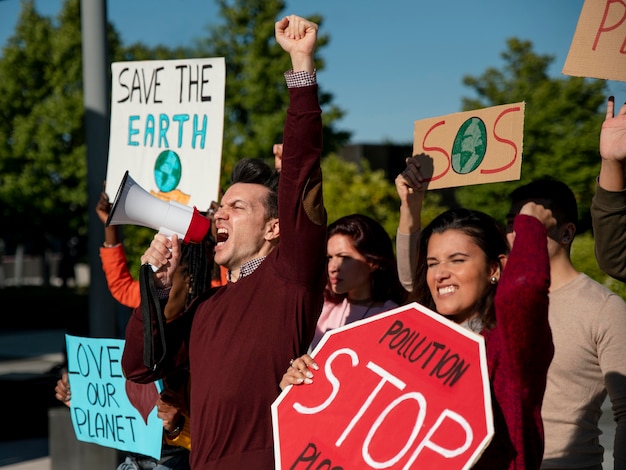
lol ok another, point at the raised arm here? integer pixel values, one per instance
(301, 251)
(608, 207)
(121, 284)
(522, 296)
(613, 148)
(411, 191)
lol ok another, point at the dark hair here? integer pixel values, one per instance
(372, 241)
(256, 171)
(488, 235)
(558, 197)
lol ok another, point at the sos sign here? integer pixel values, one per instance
(403, 389)
(472, 147)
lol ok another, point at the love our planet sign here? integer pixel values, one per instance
(106, 409)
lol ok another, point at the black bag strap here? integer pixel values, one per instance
(152, 316)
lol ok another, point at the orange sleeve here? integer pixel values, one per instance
(123, 287)
(223, 280)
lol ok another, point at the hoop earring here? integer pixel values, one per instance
(493, 280)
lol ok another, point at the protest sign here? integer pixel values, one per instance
(167, 121)
(107, 409)
(598, 49)
(403, 389)
(471, 147)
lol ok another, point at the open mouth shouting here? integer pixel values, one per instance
(222, 236)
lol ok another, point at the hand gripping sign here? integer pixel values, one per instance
(404, 389)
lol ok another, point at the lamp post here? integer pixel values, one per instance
(96, 90)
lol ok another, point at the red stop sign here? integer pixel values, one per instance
(403, 389)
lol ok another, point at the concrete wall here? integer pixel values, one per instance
(68, 453)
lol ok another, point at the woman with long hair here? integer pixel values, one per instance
(362, 273)
(461, 274)
(362, 278)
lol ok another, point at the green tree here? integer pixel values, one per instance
(256, 99)
(350, 188)
(561, 126)
(42, 164)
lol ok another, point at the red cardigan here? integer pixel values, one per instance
(519, 352)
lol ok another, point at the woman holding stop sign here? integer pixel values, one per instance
(362, 281)
(460, 273)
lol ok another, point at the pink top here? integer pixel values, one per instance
(335, 315)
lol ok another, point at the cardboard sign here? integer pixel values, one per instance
(471, 147)
(598, 49)
(167, 122)
(405, 389)
(107, 409)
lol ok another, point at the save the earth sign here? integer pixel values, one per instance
(404, 389)
(167, 122)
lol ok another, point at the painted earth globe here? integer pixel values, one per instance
(470, 146)
(167, 171)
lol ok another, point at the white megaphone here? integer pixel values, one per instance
(134, 205)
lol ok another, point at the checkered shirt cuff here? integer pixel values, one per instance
(300, 79)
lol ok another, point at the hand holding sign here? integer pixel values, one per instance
(62, 390)
(403, 389)
(101, 410)
(299, 372)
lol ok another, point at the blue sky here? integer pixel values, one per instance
(389, 62)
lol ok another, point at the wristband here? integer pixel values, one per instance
(173, 434)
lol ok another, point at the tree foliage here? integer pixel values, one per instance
(256, 98)
(43, 165)
(349, 188)
(42, 142)
(561, 126)
(584, 260)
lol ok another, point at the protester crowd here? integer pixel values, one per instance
(554, 337)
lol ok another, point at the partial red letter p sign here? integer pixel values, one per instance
(598, 49)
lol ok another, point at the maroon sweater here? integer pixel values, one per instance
(519, 351)
(241, 338)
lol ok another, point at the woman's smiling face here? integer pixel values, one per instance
(458, 274)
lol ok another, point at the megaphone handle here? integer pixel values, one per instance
(168, 234)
